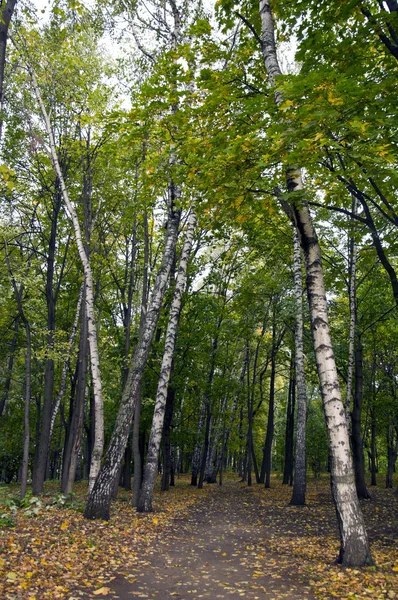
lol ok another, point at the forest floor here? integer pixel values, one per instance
(220, 542)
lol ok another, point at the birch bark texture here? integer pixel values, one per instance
(99, 499)
(352, 300)
(145, 499)
(300, 467)
(98, 446)
(354, 546)
(137, 481)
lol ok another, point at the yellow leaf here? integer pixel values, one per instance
(286, 104)
(395, 569)
(333, 100)
(64, 526)
(224, 554)
(155, 521)
(238, 201)
(103, 591)
(12, 576)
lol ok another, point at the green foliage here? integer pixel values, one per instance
(198, 114)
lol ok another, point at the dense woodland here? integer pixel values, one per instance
(199, 247)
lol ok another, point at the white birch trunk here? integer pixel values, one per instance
(300, 470)
(99, 499)
(145, 500)
(354, 547)
(352, 300)
(92, 329)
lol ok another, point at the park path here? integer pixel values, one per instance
(219, 550)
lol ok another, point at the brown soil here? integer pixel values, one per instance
(218, 551)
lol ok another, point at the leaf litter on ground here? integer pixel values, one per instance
(55, 553)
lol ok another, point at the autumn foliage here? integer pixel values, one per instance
(58, 554)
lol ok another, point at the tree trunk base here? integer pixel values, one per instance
(364, 494)
(144, 506)
(97, 511)
(297, 500)
(355, 554)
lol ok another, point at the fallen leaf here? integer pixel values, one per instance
(103, 591)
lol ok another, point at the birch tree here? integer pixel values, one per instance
(99, 499)
(300, 467)
(354, 546)
(352, 262)
(89, 298)
(145, 499)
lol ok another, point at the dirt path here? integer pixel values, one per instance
(218, 551)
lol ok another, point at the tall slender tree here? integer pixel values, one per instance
(151, 467)
(354, 545)
(99, 499)
(300, 467)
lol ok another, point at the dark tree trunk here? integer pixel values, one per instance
(379, 247)
(67, 445)
(128, 455)
(206, 444)
(25, 458)
(196, 457)
(373, 450)
(5, 21)
(207, 402)
(250, 452)
(57, 456)
(39, 471)
(90, 432)
(289, 431)
(18, 292)
(265, 476)
(223, 445)
(166, 439)
(392, 452)
(356, 433)
(7, 384)
(172, 467)
(254, 461)
(137, 454)
(75, 433)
